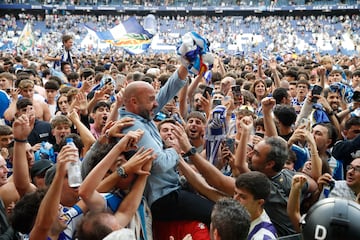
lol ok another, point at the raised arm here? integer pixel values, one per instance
(211, 174)
(274, 72)
(21, 130)
(118, 103)
(10, 112)
(246, 124)
(293, 206)
(132, 200)
(193, 85)
(267, 106)
(183, 101)
(49, 208)
(87, 190)
(86, 136)
(316, 163)
(198, 182)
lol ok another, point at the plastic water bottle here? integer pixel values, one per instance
(73, 168)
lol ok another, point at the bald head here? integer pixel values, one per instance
(140, 98)
(134, 88)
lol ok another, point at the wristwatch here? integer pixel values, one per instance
(191, 152)
(121, 172)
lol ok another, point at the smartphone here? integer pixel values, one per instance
(260, 134)
(177, 118)
(207, 90)
(230, 143)
(316, 90)
(216, 102)
(236, 91)
(305, 122)
(356, 96)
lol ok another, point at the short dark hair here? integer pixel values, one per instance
(91, 226)
(100, 104)
(52, 85)
(198, 115)
(291, 73)
(23, 103)
(5, 130)
(279, 94)
(66, 37)
(72, 75)
(285, 114)
(231, 219)
(332, 132)
(256, 183)
(352, 121)
(25, 211)
(60, 119)
(166, 120)
(305, 82)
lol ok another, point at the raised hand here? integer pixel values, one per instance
(141, 162)
(66, 155)
(247, 123)
(115, 130)
(23, 126)
(180, 134)
(130, 140)
(321, 71)
(267, 104)
(272, 64)
(298, 182)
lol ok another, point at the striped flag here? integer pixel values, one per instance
(26, 40)
(129, 35)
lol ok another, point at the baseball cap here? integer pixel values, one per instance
(40, 167)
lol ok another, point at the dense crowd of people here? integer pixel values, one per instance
(168, 150)
(244, 35)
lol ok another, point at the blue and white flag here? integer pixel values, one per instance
(129, 35)
(26, 40)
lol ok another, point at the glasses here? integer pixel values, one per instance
(355, 168)
(63, 102)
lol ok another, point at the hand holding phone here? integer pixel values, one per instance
(236, 91)
(316, 90)
(230, 143)
(207, 90)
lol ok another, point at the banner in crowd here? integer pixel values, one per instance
(129, 35)
(26, 41)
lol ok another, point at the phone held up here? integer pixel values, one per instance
(207, 90)
(236, 91)
(316, 90)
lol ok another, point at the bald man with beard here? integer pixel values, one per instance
(163, 191)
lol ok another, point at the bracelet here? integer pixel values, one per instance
(330, 113)
(20, 141)
(350, 109)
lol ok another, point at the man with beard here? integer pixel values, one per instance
(268, 156)
(333, 98)
(100, 114)
(163, 190)
(195, 129)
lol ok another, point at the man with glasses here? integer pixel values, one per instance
(348, 189)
